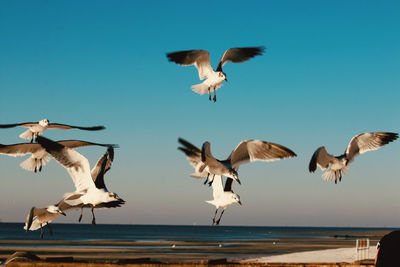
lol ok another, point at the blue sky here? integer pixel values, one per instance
(330, 71)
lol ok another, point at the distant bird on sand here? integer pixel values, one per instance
(336, 167)
(88, 193)
(246, 151)
(201, 60)
(39, 156)
(38, 217)
(36, 129)
(223, 196)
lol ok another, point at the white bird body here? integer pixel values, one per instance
(41, 217)
(214, 80)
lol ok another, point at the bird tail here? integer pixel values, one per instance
(335, 175)
(32, 164)
(28, 135)
(201, 88)
(210, 202)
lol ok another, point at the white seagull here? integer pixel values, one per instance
(246, 151)
(40, 217)
(223, 196)
(201, 60)
(39, 156)
(336, 167)
(36, 129)
(88, 193)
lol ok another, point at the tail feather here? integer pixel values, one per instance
(335, 175)
(32, 164)
(28, 135)
(201, 88)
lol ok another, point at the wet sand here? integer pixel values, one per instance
(119, 252)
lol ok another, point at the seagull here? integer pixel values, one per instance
(36, 129)
(223, 196)
(246, 151)
(39, 156)
(201, 60)
(88, 193)
(336, 167)
(37, 218)
(193, 154)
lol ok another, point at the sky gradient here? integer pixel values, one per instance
(330, 71)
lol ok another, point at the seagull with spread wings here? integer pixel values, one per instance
(201, 60)
(223, 196)
(36, 129)
(246, 151)
(89, 192)
(40, 217)
(336, 167)
(39, 156)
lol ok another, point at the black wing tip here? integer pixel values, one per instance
(177, 57)
(48, 144)
(388, 137)
(95, 128)
(312, 166)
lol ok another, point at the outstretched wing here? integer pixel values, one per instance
(79, 143)
(77, 165)
(364, 142)
(258, 150)
(71, 202)
(199, 58)
(19, 149)
(239, 54)
(193, 155)
(22, 124)
(67, 127)
(101, 167)
(320, 158)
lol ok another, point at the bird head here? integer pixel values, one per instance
(44, 122)
(236, 199)
(223, 75)
(234, 174)
(55, 209)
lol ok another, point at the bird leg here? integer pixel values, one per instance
(94, 219)
(80, 216)
(50, 230)
(220, 217)
(215, 215)
(41, 232)
(208, 175)
(209, 94)
(215, 95)
(40, 167)
(211, 181)
(35, 170)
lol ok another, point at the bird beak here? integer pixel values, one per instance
(63, 213)
(237, 180)
(240, 203)
(226, 80)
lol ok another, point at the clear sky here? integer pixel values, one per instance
(330, 71)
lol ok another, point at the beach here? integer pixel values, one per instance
(329, 247)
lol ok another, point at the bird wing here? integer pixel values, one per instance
(77, 165)
(101, 167)
(228, 185)
(22, 124)
(71, 202)
(19, 149)
(217, 186)
(199, 58)
(239, 54)
(320, 158)
(79, 143)
(258, 150)
(364, 142)
(67, 127)
(193, 155)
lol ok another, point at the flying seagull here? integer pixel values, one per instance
(246, 151)
(36, 129)
(201, 60)
(38, 218)
(39, 156)
(88, 193)
(336, 167)
(223, 196)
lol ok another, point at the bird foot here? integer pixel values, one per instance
(209, 97)
(94, 221)
(215, 99)
(80, 218)
(41, 235)
(210, 183)
(217, 223)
